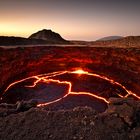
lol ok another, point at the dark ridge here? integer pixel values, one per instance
(8, 41)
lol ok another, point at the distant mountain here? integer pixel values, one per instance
(125, 42)
(110, 38)
(48, 35)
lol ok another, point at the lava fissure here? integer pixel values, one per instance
(47, 78)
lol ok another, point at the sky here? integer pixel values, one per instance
(73, 19)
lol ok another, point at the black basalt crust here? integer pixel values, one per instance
(119, 121)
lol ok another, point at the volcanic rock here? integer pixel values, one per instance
(20, 106)
(78, 123)
(124, 108)
(26, 105)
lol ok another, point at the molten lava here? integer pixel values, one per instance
(47, 78)
(80, 71)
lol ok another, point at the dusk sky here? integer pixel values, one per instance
(73, 19)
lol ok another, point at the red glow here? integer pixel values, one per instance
(46, 78)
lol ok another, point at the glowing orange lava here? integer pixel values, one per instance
(47, 78)
(80, 71)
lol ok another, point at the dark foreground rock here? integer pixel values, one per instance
(120, 121)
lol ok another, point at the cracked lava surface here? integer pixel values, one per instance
(56, 78)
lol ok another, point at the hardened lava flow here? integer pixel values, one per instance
(47, 78)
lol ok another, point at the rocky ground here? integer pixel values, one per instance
(120, 121)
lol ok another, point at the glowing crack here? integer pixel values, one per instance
(47, 78)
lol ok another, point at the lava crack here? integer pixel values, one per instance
(47, 78)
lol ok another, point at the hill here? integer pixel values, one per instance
(48, 35)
